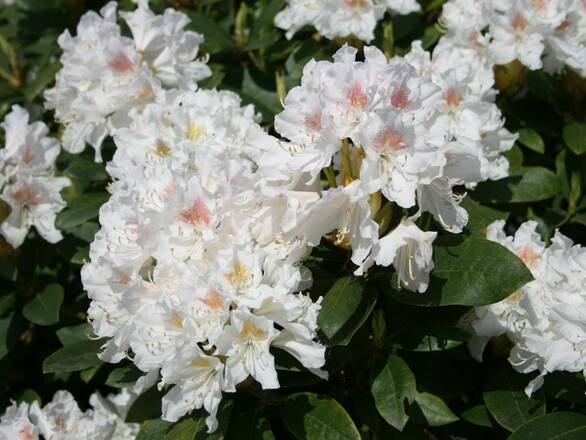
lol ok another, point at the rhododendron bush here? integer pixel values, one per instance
(325, 219)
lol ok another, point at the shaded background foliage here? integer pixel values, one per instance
(396, 360)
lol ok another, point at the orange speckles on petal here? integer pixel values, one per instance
(198, 214)
(400, 99)
(356, 97)
(26, 433)
(356, 3)
(539, 4)
(519, 23)
(26, 196)
(452, 97)
(389, 139)
(121, 63)
(528, 255)
(214, 301)
(313, 122)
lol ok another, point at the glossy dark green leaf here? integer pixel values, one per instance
(431, 337)
(531, 184)
(44, 308)
(575, 137)
(265, 101)
(431, 410)
(471, 272)
(478, 415)
(154, 429)
(147, 406)
(532, 140)
(87, 169)
(76, 333)
(392, 387)
(124, 377)
(80, 210)
(481, 216)
(42, 80)
(310, 416)
(505, 398)
(74, 357)
(344, 309)
(11, 327)
(555, 426)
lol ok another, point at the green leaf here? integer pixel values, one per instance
(430, 410)
(478, 415)
(391, 387)
(153, 429)
(42, 79)
(555, 426)
(345, 308)
(567, 386)
(532, 140)
(29, 396)
(76, 333)
(187, 428)
(505, 398)
(11, 328)
(264, 100)
(532, 184)
(74, 357)
(80, 210)
(44, 308)
(469, 272)
(431, 337)
(124, 377)
(87, 169)
(147, 406)
(575, 137)
(481, 216)
(310, 416)
(81, 257)
(216, 39)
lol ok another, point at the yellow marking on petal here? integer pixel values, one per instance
(176, 320)
(250, 331)
(162, 149)
(201, 363)
(194, 132)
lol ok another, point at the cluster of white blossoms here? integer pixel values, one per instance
(27, 179)
(62, 419)
(545, 319)
(105, 73)
(402, 132)
(191, 275)
(538, 33)
(340, 18)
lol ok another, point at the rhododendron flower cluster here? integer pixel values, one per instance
(545, 319)
(340, 18)
(537, 33)
(389, 134)
(105, 73)
(27, 179)
(191, 274)
(62, 419)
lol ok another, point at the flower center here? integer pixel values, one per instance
(356, 97)
(400, 99)
(197, 214)
(389, 139)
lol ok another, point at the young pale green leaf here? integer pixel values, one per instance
(470, 272)
(392, 387)
(44, 308)
(532, 140)
(310, 416)
(478, 415)
(555, 426)
(531, 184)
(74, 357)
(431, 337)
(345, 308)
(431, 410)
(574, 135)
(505, 398)
(80, 210)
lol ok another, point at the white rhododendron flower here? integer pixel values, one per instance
(193, 273)
(340, 18)
(62, 419)
(398, 133)
(27, 179)
(545, 319)
(536, 33)
(105, 73)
